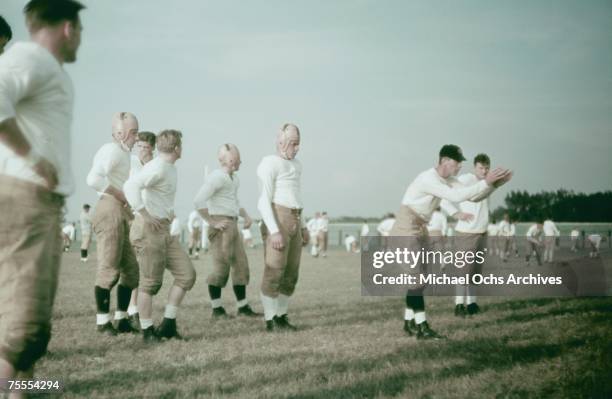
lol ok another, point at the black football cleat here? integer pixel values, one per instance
(219, 313)
(472, 309)
(425, 332)
(410, 327)
(107, 329)
(149, 335)
(167, 329)
(124, 326)
(247, 311)
(282, 322)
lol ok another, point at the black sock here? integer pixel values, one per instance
(190, 251)
(415, 302)
(102, 300)
(83, 253)
(123, 297)
(214, 292)
(240, 292)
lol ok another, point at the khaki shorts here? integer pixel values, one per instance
(410, 231)
(227, 253)
(85, 241)
(116, 258)
(157, 251)
(30, 253)
(281, 269)
(472, 242)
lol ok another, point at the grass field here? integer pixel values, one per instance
(347, 346)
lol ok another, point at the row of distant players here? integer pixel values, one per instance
(496, 232)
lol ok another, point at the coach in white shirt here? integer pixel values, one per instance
(116, 259)
(151, 193)
(422, 197)
(36, 103)
(280, 206)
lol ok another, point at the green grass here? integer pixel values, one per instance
(348, 345)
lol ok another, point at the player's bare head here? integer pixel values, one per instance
(59, 21)
(482, 164)
(449, 161)
(288, 141)
(170, 141)
(6, 34)
(125, 129)
(145, 145)
(229, 157)
(506, 217)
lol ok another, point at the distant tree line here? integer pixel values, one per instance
(560, 205)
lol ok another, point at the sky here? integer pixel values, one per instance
(376, 87)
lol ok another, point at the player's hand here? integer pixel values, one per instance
(504, 179)
(466, 217)
(222, 225)
(495, 175)
(305, 237)
(277, 241)
(47, 171)
(247, 222)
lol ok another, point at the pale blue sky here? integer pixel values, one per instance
(375, 86)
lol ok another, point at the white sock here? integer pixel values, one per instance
(419, 317)
(146, 323)
(460, 291)
(270, 305)
(132, 310)
(102, 319)
(283, 305)
(242, 303)
(120, 315)
(471, 298)
(408, 314)
(170, 312)
(216, 303)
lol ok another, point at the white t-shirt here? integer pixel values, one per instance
(492, 230)
(504, 229)
(219, 194)
(154, 188)
(246, 234)
(480, 209)
(550, 229)
(38, 93)
(69, 231)
(111, 167)
(348, 242)
(437, 222)
(595, 239)
(575, 233)
(194, 221)
(365, 229)
(312, 226)
(280, 181)
(384, 228)
(322, 224)
(85, 219)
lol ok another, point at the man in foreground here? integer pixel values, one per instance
(35, 178)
